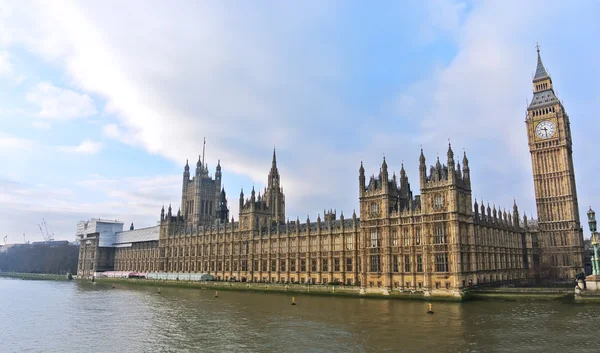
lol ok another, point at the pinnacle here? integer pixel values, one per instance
(540, 70)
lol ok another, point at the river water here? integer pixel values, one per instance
(48, 316)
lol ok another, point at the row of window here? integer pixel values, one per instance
(440, 237)
(403, 263)
(273, 266)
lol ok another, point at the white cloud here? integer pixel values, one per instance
(185, 72)
(479, 99)
(12, 143)
(59, 103)
(135, 200)
(43, 125)
(5, 64)
(85, 147)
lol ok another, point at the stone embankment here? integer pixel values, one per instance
(521, 293)
(34, 276)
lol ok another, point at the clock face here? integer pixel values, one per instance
(545, 129)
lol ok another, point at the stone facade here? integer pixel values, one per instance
(439, 242)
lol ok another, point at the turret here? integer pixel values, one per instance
(383, 176)
(162, 213)
(223, 211)
(184, 187)
(131, 226)
(218, 171)
(361, 179)
(274, 172)
(466, 172)
(253, 196)
(422, 169)
(199, 166)
(186, 170)
(451, 164)
(241, 199)
(515, 214)
(476, 209)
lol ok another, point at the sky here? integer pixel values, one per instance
(102, 103)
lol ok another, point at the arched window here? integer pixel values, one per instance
(438, 201)
(374, 207)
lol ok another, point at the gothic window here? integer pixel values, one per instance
(337, 243)
(395, 264)
(293, 245)
(314, 244)
(417, 236)
(375, 239)
(394, 238)
(313, 265)
(438, 202)
(439, 234)
(303, 247)
(349, 242)
(283, 247)
(419, 263)
(374, 208)
(274, 246)
(282, 265)
(336, 264)
(292, 265)
(348, 264)
(441, 262)
(406, 237)
(375, 263)
(325, 265)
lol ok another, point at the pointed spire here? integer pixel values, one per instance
(384, 164)
(361, 170)
(422, 157)
(540, 71)
(274, 162)
(203, 150)
(187, 165)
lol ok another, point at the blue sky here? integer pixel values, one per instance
(102, 102)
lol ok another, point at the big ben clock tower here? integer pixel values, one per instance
(550, 144)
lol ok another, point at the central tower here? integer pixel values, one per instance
(551, 147)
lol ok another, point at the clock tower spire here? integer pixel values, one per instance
(551, 147)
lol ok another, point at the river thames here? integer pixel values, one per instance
(48, 316)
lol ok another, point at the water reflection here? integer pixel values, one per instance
(42, 316)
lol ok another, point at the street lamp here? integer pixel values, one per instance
(596, 258)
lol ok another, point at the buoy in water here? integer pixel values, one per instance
(293, 301)
(113, 285)
(158, 290)
(216, 294)
(429, 311)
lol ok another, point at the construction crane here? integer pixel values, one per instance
(5, 240)
(47, 236)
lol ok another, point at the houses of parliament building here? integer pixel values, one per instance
(440, 242)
